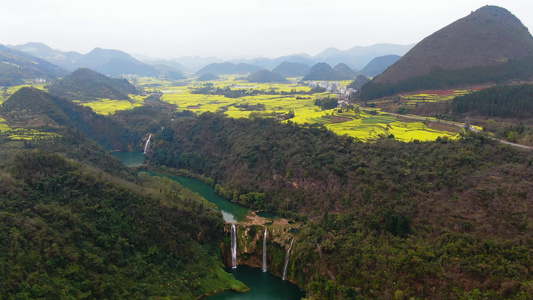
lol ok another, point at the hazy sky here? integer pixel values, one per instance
(232, 28)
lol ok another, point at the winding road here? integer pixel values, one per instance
(459, 125)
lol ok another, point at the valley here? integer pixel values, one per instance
(295, 177)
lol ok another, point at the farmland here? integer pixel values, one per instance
(279, 100)
(366, 125)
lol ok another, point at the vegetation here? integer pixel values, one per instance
(491, 36)
(514, 101)
(292, 69)
(265, 76)
(18, 67)
(31, 108)
(69, 230)
(207, 77)
(419, 219)
(323, 71)
(446, 79)
(86, 84)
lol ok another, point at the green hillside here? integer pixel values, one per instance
(86, 84)
(33, 108)
(265, 76)
(471, 50)
(71, 231)
(17, 67)
(426, 220)
(323, 71)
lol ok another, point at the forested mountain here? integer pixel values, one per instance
(490, 38)
(292, 69)
(33, 108)
(169, 72)
(86, 84)
(16, 67)
(65, 60)
(271, 64)
(378, 65)
(207, 77)
(359, 81)
(106, 61)
(114, 63)
(323, 71)
(265, 76)
(344, 70)
(515, 101)
(228, 68)
(70, 230)
(430, 220)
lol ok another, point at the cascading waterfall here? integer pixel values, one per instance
(265, 251)
(147, 143)
(287, 259)
(233, 246)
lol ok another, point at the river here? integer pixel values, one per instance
(263, 285)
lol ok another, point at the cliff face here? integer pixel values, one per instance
(250, 246)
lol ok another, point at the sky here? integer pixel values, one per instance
(232, 28)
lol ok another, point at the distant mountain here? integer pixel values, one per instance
(265, 76)
(345, 70)
(228, 68)
(65, 60)
(292, 69)
(270, 64)
(359, 56)
(86, 84)
(195, 63)
(378, 65)
(359, 81)
(114, 63)
(35, 108)
(170, 63)
(169, 72)
(16, 67)
(207, 77)
(323, 71)
(491, 35)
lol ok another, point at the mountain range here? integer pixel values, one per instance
(115, 62)
(16, 67)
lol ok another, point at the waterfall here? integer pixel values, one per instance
(287, 259)
(265, 251)
(147, 143)
(233, 246)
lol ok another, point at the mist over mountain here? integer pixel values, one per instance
(292, 69)
(378, 65)
(323, 71)
(65, 60)
(16, 67)
(358, 56)
(116, 62)
(207, 77)
(228, 68)
(265, 76)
